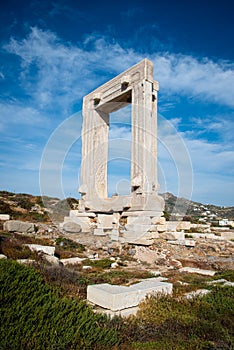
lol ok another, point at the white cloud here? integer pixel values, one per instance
(120, 132)
(55, 75)
(66, 72)
(204, 78)
(210, 158)
(222, 126)
(16, 113)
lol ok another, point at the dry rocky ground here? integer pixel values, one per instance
(97, 259)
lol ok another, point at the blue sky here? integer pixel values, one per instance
(54, 53)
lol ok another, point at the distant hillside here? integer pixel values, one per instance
(178, 206)
(36, 208)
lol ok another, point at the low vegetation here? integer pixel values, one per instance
(200, 323)
(66, 248)
(42, 308)
(13, 245)
(34, 316)
(119, 277)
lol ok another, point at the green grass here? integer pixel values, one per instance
(34, 316)
(101, 263)
(228, 275)
(201, 323)
(116, 276)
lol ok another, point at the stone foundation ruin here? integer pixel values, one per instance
(133, 218)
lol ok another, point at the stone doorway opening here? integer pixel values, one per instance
(119, 152)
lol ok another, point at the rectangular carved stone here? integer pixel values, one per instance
(115, 297)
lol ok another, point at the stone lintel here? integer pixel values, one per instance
(121, 85)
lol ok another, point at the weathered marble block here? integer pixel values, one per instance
(121, 297)
(41, 248)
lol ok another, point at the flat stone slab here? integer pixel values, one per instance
(199, 271)
(185, 242)
(228, 284)
(4, 217)
(41, 248)
(116, 298)
(223, 282)
(197, 293)
(25, 261)
(72, 261)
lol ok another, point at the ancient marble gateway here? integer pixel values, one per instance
(136, 217)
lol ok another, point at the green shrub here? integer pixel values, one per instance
(24, 201)
(102, 263)
(39, 201)
(34, 317)
(166, 215)
(39, 217)
(13, 249)
(228, 275)
(5, 208)
(66, 248)
(67, 243)
(116, 276)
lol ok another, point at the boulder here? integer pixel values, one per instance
(175, 263)
(72, 227)
(52, 259)
(18, 226)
